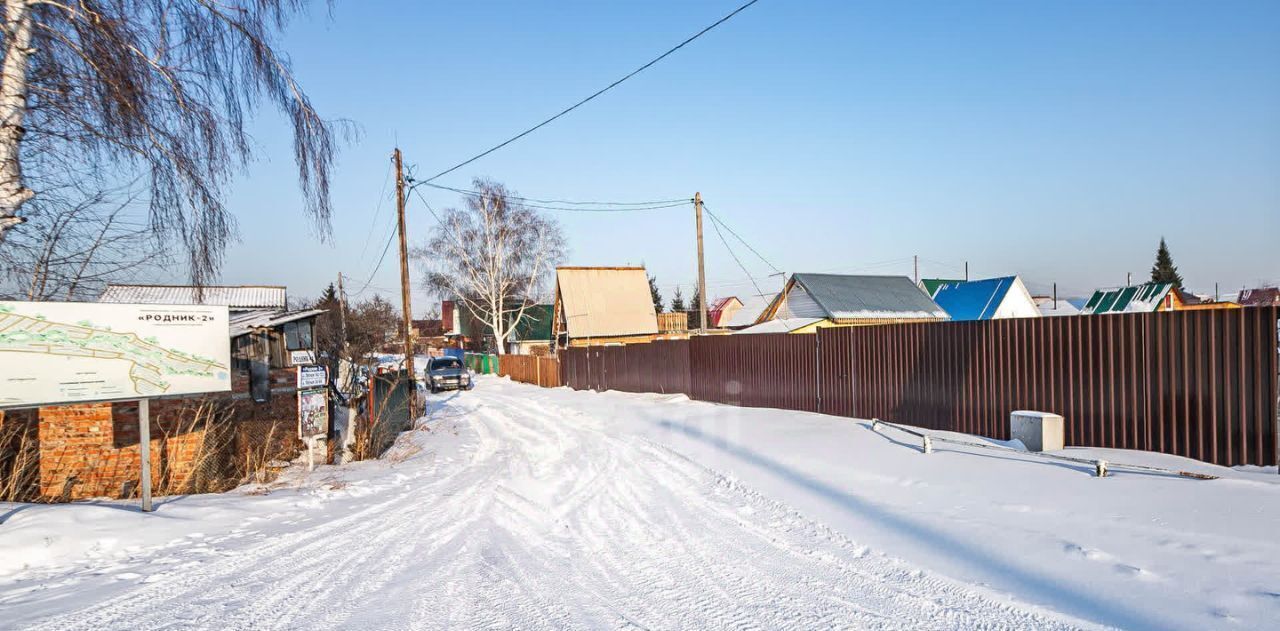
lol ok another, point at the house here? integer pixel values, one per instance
(1261, 297)
(532, 334)
(721, 310)
(987, 299)
(853, 300)
(786, 325)
(261, 326)
(1143, 298)
(750, 311)
(602, 305)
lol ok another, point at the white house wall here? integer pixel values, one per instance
(1017, 303)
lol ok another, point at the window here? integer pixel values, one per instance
(297, 335)
(444, 363)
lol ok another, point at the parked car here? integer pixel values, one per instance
(448, 373)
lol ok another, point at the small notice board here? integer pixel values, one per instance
(313, 401)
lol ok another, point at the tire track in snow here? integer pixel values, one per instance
(558, 521)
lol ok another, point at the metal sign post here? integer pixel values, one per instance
(313, 408)
(144, 450)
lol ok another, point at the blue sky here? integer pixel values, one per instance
(1058, 141)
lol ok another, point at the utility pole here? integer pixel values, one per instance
(342, 318)
(915, 263)
(966, 271)
(702, 273)
(1128, 279)
(1055, 296)
(404, 285)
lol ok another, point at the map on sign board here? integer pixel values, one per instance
(67, 352)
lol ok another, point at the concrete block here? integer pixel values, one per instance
(1039, 431)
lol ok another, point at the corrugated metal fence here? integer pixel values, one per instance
(1201, 384)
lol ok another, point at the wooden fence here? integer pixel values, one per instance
(1201, 384)
(539, 371)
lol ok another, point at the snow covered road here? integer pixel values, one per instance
(520, 512)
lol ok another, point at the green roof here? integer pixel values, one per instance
(535, 325)
(1135, 299)
(931, 285)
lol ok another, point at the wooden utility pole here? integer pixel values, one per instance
(407, 308)
(342, 319)
(702, 273)
(915, 264)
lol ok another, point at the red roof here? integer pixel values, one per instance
(1261, 297)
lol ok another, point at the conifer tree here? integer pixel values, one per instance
(1164, 271)
(677, 302)
(657, 295)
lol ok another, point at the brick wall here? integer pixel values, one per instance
(92, 450)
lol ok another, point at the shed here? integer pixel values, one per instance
(602, 305)
(987, 299)
(261, 327)
(853, 300)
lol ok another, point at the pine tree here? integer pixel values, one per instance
(1164, 271)
(657, 295)
(330, 295)
(695, 309)
(677, 302)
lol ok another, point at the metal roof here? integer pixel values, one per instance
(245, 322)
(972, 300)
(235, 297)
(1133, 299)
(846, 297)
(534, 326)
(931, 285)
(750, 311)
(606, 301)
(784, 325)
(1261, 297)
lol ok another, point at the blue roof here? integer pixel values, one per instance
(975, 299)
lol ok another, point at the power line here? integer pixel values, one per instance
(472, 193)
(391, 237)
(716, 224)
(377, 212)
(589, 98)
(717, 220)
(623, 207)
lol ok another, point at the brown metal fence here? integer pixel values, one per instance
(1201, 384)
(539, 371)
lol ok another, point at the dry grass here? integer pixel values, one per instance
(19, 462)
(226, 455)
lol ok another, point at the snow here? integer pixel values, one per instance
(513, 506)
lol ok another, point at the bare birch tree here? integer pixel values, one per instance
(495, 256)
(74, 242)
(157, 88)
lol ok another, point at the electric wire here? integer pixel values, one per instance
(593, 96)
(716, 224)
(716, 219)
(557, 201)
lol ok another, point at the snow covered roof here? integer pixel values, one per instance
(1064, 308)
(750, 311)
(236, 297)
(1134, 299)
(785, 325)
(1261, 297)
(849, 297)
(605, 301)
(244, 322)
(975, 299)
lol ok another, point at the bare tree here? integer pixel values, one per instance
(75, 241)
(160, 88)
(495, 256)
